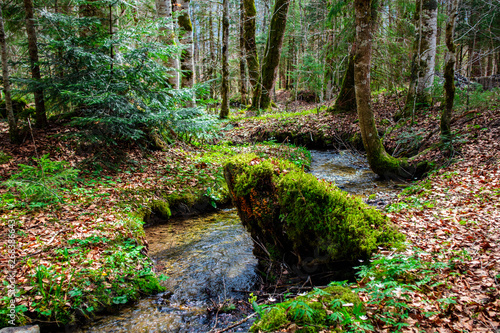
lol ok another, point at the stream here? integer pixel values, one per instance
(209, 259)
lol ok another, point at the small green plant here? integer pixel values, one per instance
(42, 182)
(4, 158)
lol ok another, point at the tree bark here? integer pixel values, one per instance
(186, 61)
(167, 37)
(249, 15)
(13, 131)
(424, 57)
(346, 101)
(224, 111)
(243, 82)
(380, 162)
(262, 95)
(449, 74)
(40, 114)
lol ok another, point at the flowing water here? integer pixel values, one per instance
(209, 259)
(206, 258)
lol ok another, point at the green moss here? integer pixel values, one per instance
(18, 105)
(161, 208)
(314, 312)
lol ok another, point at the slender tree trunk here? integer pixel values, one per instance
(13, 131)
(424, 57)
(224, 111)
(186, 61)
(449, 74)
(243, 82)
(380, 162)
(167, 37)
(40, 114)
(250, 15)
(212, 53)
(272, 54)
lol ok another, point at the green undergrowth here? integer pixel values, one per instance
(83, 276)
(335, 308)
(268, 116)
(391, 283)
(388, 284)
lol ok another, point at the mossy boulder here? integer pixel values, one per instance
(318, 311)
(309, 223)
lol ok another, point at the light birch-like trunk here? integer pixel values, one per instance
(40, 114)
(449, 74)
(13, 131)
(186, 61)
(224, 111)
(167, 37)
(424, 57)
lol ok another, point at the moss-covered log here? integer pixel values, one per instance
(310, 224)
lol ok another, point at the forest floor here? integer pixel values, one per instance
(79, 253)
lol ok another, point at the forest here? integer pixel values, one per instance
(250, 166)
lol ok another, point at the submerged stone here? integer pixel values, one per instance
(308, 223)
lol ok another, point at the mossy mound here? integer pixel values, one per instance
(308, 223)
(18, 106)
(331, 309)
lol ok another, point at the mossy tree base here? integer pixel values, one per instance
(309, 224)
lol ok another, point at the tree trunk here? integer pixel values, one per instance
(424, 57)
(243, 82)
(186, 61)
(211, 65)
(449, 74)
(262, 96)
(13, 131)
(250, 14)
(380, 162)
(40, 114)
(224, 111)
(167, 37)
(346, 101)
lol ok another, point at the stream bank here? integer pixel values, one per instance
(210, 264)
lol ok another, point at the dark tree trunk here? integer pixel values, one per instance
(250, 14)
(449, 75)
(262, 95)
(243, 81)
(224, 111)
(346, 101)
(13, 131)
(40, 114)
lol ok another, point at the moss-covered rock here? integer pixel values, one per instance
(317, 311)
(306, 222)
